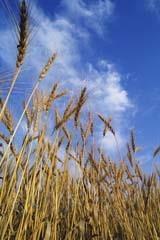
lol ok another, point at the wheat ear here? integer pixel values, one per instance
(22, 48)
(44, 70)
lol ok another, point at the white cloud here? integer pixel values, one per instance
(109, 143)
(104, 82)
(93, 14)
(108, 97)
(106, 85)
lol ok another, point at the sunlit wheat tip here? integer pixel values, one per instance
(47, 67)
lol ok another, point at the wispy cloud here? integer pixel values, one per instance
(154, 6)
(67, 38)
(92, 15)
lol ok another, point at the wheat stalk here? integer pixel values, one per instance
(22, 48)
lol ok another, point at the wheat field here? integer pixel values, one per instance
(43, 195)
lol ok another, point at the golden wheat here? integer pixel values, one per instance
(63, 185)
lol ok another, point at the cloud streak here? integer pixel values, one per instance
(92, 15)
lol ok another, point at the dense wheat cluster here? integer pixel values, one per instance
(44, 196)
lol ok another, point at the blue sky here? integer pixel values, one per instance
(110, 46)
